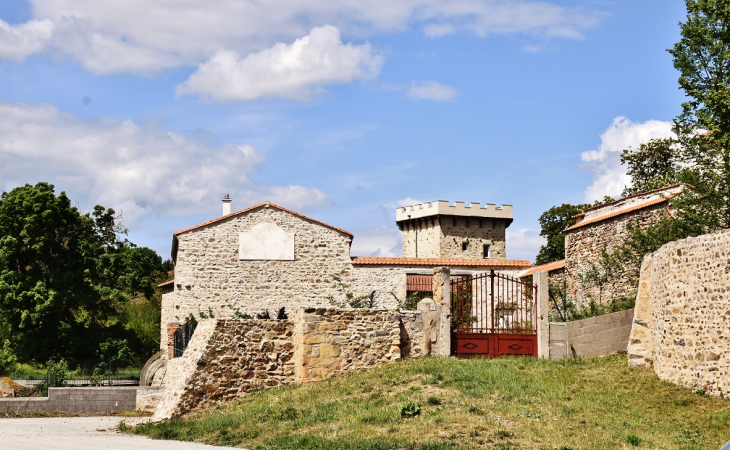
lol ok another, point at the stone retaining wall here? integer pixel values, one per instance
(595, 336)
(331, 341)
(228, 358)
(683, 311)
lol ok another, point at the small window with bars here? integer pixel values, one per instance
(485, 251)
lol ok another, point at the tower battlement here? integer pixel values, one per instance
(440, 229)
(444, 208)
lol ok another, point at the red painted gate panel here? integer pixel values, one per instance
(493, 315)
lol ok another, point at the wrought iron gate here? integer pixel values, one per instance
(493, 315)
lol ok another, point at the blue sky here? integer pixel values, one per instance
(340, 110)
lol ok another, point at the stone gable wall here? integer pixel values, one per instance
(583, 246)
(683, 311)
(209, 277)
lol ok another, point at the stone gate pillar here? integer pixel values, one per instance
(442, 297)
(543, 310)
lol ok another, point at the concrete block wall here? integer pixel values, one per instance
(92, 399)
(595, 336)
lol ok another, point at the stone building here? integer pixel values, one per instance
(440, 230)
(269, 257)
(603, 228)
(555, 270)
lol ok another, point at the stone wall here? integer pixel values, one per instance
(227, 358)
(210, 278)
(558, 278)
(683, 311)
(330, 341)
(417, 330)
(584, 245)
(595, 336)
(428, 231)
(443, 236)
(167, 315)
(476, 232)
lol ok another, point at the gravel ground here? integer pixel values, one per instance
(80, 433)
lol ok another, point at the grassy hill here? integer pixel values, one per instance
(479, 403)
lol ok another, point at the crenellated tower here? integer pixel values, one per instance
(441, 230)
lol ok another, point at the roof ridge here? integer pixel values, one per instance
(259, 205)
(635, 195)
(621, 212)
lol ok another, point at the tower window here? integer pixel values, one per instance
(485, 251)
(464, 246)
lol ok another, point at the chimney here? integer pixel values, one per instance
(226, 204)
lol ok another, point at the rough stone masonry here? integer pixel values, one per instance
(228, 358)
(682, 313)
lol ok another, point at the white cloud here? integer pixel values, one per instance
(143, 36)
(20, 41)
(406, 202)
(138, 167)
(297, 71)
(604, 163)
(384, 240)
(524, 243)
(431, 90)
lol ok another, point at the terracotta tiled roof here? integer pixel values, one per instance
(251, 208)
(636, 195)
(544, 267)
(391, 261)
(656, 201)
(166, 283)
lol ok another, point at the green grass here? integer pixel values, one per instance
(36, 372)
(503, 404)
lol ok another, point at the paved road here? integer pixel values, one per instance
(80, 433)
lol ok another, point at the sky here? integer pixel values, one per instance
(340, 110)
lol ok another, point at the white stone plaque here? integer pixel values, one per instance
(266, 242)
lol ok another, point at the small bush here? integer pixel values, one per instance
(55, 377)
(281, 314)
(409, 409)
(434, 401)
(633, 440)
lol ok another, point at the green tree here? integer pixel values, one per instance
(702, 57)
(653, 165)
(699, 156)
(64, 276)
(552, 223)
